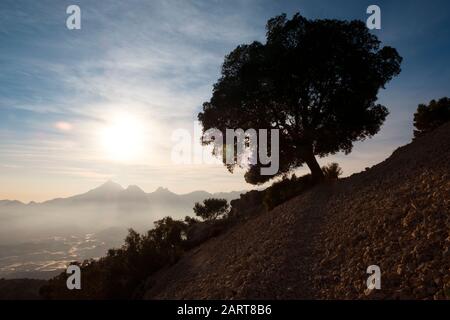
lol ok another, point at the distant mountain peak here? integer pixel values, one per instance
(10, 202)
(109, 187)
(163, 190)
(134, 189)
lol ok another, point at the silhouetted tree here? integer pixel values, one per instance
(211, 208)
(191, 221)
(429, 117)
(169, 232)
(315, 80)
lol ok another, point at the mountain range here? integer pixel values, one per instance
(114, 192)
(109, 205)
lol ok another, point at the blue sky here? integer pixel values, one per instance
(156, 61)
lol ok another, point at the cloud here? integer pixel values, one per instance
(63, 126)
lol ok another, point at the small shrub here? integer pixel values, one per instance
(429, 117)
(190, 221)
(211, 209)
(332, 171)
(286, 189)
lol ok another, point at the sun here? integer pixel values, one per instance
(123, 138)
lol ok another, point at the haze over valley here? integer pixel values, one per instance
(82, 226)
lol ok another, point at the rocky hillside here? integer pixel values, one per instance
(20, 289)
(318, 245)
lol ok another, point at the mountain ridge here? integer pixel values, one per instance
(105, 206)
(111, 189)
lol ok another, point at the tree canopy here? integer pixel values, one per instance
(211, 208)
(315, 80)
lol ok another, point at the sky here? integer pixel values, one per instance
(80, 107)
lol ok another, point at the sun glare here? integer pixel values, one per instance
(123, 138)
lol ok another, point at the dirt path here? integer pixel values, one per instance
(268, 257)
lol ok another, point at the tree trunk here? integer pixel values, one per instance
(316, 170)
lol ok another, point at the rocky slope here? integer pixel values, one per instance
(20, 289)
(318, 245)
